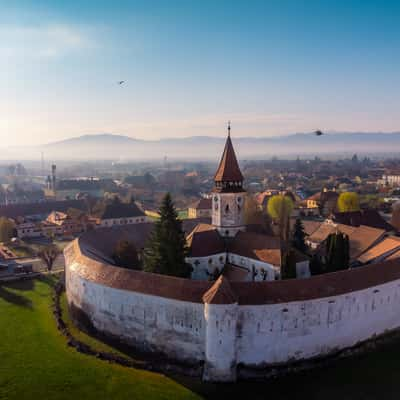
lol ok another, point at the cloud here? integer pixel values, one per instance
(43, 41)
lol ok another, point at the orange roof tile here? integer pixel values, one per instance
(386, 247)
(257, 246)
(220, 293)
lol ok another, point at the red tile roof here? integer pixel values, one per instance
(257, 246)
(46, 207)
(220, 293)
(368, 217)
(235, 273)
(228, 169)
(247, 293)
(204, 241)
(202, 204)
(361, 237)
(386, 247)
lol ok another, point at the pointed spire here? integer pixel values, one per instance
(228, 169)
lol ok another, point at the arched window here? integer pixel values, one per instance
(227, 208)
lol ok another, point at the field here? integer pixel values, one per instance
(35, 363)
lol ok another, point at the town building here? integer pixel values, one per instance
(390, 179)
(118, 213)
(200, 209)
(325, 202)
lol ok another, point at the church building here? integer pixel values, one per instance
(229, 246)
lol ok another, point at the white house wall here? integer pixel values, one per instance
(202, 266)
(207, 265)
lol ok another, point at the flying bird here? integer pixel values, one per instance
(318, 133)
(121, 82)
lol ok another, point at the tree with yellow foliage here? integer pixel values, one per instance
(348, 201)
(280, 208)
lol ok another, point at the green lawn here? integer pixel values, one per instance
(22, 251)
(183, 214)
(35, 362)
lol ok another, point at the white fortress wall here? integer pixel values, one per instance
(174, 327)
(243, 330)
(278, 333)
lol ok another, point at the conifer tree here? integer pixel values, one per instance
(288, 269)
(337, 252)
(299, 236)
(166, 249)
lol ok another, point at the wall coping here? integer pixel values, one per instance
(247, 293)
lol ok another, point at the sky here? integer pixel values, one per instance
(272, 67)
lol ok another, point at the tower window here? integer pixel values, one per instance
(227, 208)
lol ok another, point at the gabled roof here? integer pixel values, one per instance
(46, 207)
(204, 241)
(220, 293)
(257, 247)
(369, 217)
(310, 226)
(228, 169)
(384, 248)
(361, 238)
(202, 204)
(121, 210)
(235, 273)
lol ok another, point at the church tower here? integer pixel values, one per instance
(228, 194)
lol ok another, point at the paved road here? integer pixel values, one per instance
(39, 266)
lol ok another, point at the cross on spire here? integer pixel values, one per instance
(229, 128)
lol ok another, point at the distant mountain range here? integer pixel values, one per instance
(118, 147)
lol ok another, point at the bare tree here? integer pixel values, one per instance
(48, 254)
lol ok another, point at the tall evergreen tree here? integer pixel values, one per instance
(337, 252)
(299, 235)
(166, 250)
(288, 269)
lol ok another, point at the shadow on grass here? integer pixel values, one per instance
(14, 298)
(26, 284)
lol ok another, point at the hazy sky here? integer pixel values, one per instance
(272, 67)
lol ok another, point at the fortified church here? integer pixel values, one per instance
(232, 327)
(241, 252)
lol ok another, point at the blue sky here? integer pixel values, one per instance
(272, 67)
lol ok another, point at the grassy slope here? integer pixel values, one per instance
(35, 362)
